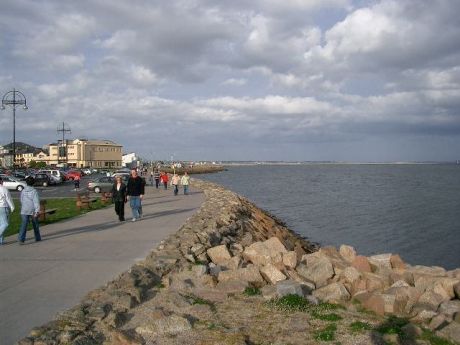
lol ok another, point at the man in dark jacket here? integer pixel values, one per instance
(135, 192)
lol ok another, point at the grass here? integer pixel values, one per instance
(359, 326)
(434, 339)
(327, 333)
(393, 325)
(252, 291)
(66, 208)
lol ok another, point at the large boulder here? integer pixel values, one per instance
(452, 332)
(171, 325)
(350, 274)
(250, 274)
(333, 293)
(397, 263)
(290, 259)
(262, 253)
(219, 254)
(347, 252)
(361, 263)
(381, 261)
(271, 274)
(289, 287)
(317, 269)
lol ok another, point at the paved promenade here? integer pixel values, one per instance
(37, 280)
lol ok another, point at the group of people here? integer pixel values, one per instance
(30, 210)
(134, 190)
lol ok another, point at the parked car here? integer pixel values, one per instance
(72, 173)
(101, 184)
(42, 179)
(12, 183)
(54, 173)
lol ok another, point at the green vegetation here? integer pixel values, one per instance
(434, 339)
(327, 333)
(290, 303)
(252, 291)
(359, 326)
(198, 300)
(325, 317)
(66, 208)
(393, 325)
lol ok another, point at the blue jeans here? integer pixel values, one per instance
(4, 215)
(24, 222)
(176, 189)
(135, 203)
(186, 189)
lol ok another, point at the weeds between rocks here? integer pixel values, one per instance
(252, 291)
(359, 326)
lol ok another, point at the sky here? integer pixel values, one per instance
(290, 80)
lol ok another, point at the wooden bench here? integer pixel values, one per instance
(44, 211)
(84, 201)
(106, 197)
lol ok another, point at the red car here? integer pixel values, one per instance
(70, 175)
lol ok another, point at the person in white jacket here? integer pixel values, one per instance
(6, 207)
(30, 209)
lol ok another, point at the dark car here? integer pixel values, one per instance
(42, 179)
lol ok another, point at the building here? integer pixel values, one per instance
(130, 160)
(82, 153)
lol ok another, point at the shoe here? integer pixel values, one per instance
(133, 220)
(22, 242)
(38, 240)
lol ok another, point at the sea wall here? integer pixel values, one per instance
(193, 288)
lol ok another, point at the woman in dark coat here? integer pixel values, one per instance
(119, 198)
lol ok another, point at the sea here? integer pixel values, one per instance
(408, 209)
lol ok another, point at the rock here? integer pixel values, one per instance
(449, 308)
(400, 283)
(233, 263)
(290, 259)
(418, 271)
(289, 287)
(371, 301)
(115, 319)
(347, 252)
(411, 331)
(171, 325)
(197, 249)
(358, 286)
(456, 317)
(397, 263)
(219, 255)
(424, 316)
(120, 338)
(437, 322)
(429, 300)
(316, 269)
(250, 274)
(214, 270)
(374, 282)
(269, 292)
(334, 293)
(456, 288)
(199, 270)
(312, 299)
(274, 245)
(26, 341)
(350, 274)
(451, 331)
(232, 286)
(361, 264)
(262, 253)
(381, 261)
(271, 274)
(389, 303)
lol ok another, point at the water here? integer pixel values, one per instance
(412, 210)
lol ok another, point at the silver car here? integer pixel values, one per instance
(12, 183)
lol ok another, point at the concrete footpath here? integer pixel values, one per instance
(37, 280)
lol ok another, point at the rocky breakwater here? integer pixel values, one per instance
(233, 274)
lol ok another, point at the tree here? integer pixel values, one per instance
(32, 164)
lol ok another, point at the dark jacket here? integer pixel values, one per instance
(119, 195)
(135, 186)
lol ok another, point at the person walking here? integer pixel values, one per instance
(76, 181)
(135, 193)
(185, 182)
(164, 179)
(156, 177)
(30, 209)
(175, 180)
(152, 179)
(119, 198)
(6, 207)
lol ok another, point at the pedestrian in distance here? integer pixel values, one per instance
(175, 180)
(135, 193)
(164, 179)
(119, 197)
(76, 181)
(152, 179)
(185, 182)
(6, 207)
(156, 176)
(30, 210)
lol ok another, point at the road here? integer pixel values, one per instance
(39, 279)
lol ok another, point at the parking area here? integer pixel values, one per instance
(62, 190)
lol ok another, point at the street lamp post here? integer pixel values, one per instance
(13, 99)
